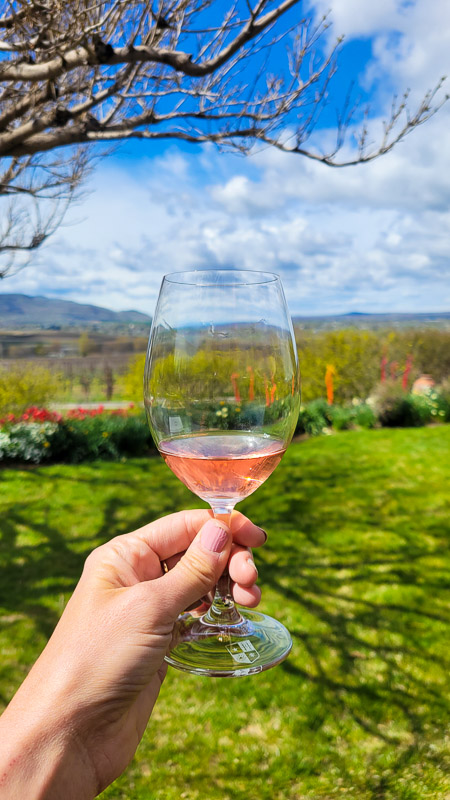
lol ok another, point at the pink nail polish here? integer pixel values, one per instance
(214, 537)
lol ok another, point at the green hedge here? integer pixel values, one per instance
(318, 417)
(104, 436)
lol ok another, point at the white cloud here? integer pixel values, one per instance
(419, 54)
(365, 238)
(410, 41)
(357, 18)
(368, 238)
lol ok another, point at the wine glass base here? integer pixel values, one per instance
(255, 644)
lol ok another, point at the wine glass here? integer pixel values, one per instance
(221, 392)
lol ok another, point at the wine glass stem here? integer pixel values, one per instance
(223, 611)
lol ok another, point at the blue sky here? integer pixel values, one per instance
(368, 238)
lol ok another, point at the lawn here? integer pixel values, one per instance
(357, 566)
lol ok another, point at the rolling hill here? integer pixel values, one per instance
(20, 311)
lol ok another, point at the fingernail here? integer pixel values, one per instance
(265, 534)
(214, 537)
(252, 564)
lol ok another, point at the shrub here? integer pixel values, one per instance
(23, 386)
(104, 436)
(27, 441)
(314, 418)
(341, 418)
(364, 416)
(397, 409)
(134, 380)
(130, 435)
(443, 395)
(40, 435)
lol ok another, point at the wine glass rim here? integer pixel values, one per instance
(204, 277)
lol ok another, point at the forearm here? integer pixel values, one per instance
(40, 759)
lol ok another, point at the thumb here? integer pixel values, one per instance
(199, 569)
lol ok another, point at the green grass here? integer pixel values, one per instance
(357, 566)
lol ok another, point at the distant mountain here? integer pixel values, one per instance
(20, 310)
(361, 319)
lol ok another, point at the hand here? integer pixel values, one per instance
(75, 723)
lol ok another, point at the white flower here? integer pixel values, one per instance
(27, 441)
(4, 442)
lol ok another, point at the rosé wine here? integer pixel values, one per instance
(226, 466)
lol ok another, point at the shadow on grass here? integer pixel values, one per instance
(365, 565)
(357, 560)
(40, 557)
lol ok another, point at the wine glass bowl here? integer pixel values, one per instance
(221, 391)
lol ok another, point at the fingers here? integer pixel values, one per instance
(246, 532)
(195, 574)
(173, 534)
(241, 566)
(246, 596)
(136, 556)
(244, 574)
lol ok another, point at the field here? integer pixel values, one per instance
(96, 365)
(356, 565)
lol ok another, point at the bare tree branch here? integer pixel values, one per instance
(77, 72)
(37, 191)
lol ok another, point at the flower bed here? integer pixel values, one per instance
(40, 435)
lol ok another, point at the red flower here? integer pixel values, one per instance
(35, 414)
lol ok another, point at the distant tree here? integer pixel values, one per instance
(24, 385)
(108, 377)
(81, 72)
(133, 379)
(85, 344)
(354, 355)
(85, 382)
(429, 349)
